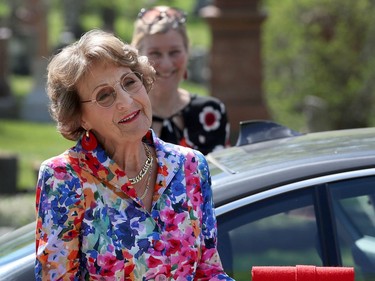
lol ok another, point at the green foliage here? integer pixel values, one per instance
(21, 85)
(195, 88)
(4, 10)
(321, 49)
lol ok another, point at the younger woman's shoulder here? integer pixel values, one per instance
(200, 104)
(198, 100)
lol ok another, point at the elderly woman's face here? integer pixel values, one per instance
(119, 106)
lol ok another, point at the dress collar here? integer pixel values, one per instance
(98, 163)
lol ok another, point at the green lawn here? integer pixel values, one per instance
(32, 143)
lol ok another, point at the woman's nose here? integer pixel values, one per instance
(165, 62)
(123, 98)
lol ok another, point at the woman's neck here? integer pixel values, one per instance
(130, 156)
(165, 105)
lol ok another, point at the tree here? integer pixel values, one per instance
(321, 49)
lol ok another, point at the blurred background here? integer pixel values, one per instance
(308, 64)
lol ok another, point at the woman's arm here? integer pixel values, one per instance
(210, 267)
(59, 215)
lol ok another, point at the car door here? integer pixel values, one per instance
(320, 224)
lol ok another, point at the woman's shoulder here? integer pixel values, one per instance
(200, 104)
(59, 161)
(200, 100)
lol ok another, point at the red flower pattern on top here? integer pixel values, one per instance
(91, 225)
(210, 118)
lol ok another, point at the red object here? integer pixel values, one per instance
(306, 272)
(302, 273)
(274, 273)
(89, 141)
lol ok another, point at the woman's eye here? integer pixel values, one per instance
(178, 51)
(104, 94)
(128, 82)
(154, 55)
(175, 52)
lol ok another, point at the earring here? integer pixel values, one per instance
(186, 75)
(89, 141)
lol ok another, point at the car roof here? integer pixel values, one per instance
(247, 169)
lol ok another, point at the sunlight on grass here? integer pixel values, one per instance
(32, 143)
(12, 214)
(21, 85)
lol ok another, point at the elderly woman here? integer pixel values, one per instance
(121, 204)
(178, 116)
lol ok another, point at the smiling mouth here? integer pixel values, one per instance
(165, 75)
(130, 117)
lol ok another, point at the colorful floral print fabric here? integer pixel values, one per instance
(206, 125)
(92, 226)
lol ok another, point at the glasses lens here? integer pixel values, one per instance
(152, 16)
(132, 82)
(106, 97)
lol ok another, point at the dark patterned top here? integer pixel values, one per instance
(206, 125)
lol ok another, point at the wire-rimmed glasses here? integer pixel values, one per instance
(130, 82)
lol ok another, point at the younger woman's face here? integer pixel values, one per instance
(169, 56)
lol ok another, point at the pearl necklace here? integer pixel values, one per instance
(145, 167)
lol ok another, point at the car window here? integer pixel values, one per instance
(17, 244)
(354, 209)
(277, 231)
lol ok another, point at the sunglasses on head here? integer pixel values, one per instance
(153, 15)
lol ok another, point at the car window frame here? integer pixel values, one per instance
(324, 209)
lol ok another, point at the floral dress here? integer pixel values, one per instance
(92, 226)
(206, 127)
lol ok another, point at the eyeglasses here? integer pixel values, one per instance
(153, 15)
(131, 83)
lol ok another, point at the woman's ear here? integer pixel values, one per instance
(84, 125)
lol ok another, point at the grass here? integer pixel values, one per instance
(32, 143)
(17, 210)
